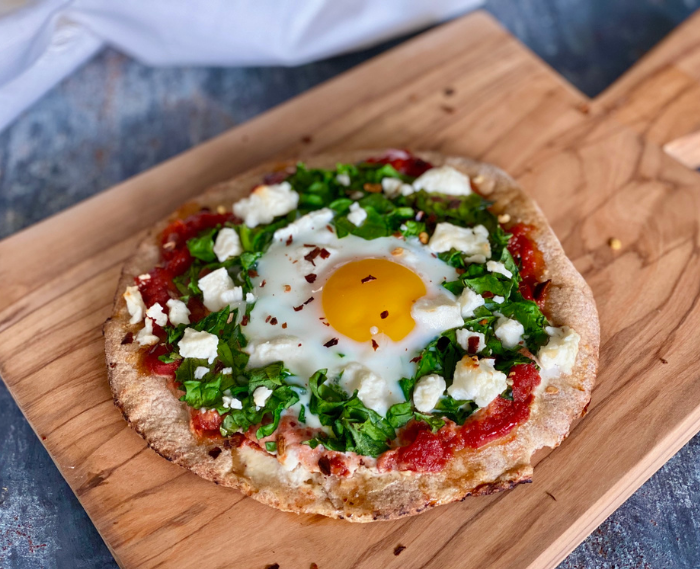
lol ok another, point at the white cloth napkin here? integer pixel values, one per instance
(42, 41)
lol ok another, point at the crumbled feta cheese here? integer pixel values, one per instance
(444, 180)
(178, 312)
(281, 348)
(561, 350)
(265, 203)
(249, 297)
(371, 388)
(391, 187)
(305, 224)
(156, 313)
(469, 301)
(498, 299)
(428, 391)
(472, 241)
(134, 304)
(145, 337)
(357, 214)
(200, 372)
(202, 345)
(227, 371)
(498, 267)
(509, 332)
(439, 313)
(261, 395)
(477, 380)
(228, 244)
(343, 179)
(218, 290)
(479, 259)
(230, 402)
(463, 337)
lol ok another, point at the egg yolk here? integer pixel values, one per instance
(370, 293)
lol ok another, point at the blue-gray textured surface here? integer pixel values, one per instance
(115, 118)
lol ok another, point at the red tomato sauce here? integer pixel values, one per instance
(403, 162)
(525, 251)
(425, 451)
(206, 424)
(154, 366)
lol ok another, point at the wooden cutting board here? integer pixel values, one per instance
(598, 171)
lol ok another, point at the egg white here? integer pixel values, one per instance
(281, 285)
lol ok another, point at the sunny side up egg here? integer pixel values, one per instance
(344, 305)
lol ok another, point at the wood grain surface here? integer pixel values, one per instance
(466, 88)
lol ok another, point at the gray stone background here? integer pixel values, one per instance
(115, 118)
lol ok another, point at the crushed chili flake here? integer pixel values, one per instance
(273, 322)
(298, 308)
(312, 255)
(332, 342)
(460, 271)
(374, 345)
(368, 278)
(252, 273)
(384, 314)
(284, 324)
(372, 188)
(324, 254)
(309, 245)
(262, 284)
(473, 344)
(245, 320)
(310, 300)
(329, 228)
(310, 278)
(416, 359)
(484, 322)
(268, 319)
(289, 240)
(287, 288)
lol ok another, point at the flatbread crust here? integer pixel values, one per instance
(155, 413)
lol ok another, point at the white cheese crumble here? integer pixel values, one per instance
(428, 391)
(394, 186)
(306, 223)
(444, 180)
(469, 301)
(469, 240)
(178, 313)
(145, 337)
(218, 290)
(261, 395)
(227, 245)
(477, 380)
(498, 299)
(202, 345)
(371, 388)
(200, 372)
(357, 214)
(227, 371)
(230, 402)
(509, 332)
(265, 203)
(156, 313)
(463, 337)
(281, 348)
(498, 267)
(561, 350)
(249, 297)
(439, 313)
(134, 304)
(343, 179)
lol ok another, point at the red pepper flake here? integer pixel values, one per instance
(287, 288)
(252, 273)
(312, 255)
(324, 254)
(484, 322)
(374, 344)
(384, 314)
(298, 308)
(309, 245)
(473, 344)
(310, 278)
(289, 240)
(368, 278)
(487, 294)
(262, 284)
(284, 324)
(268, 319)
(416, 359)
(273, 322)
(245, 320)
(331, 343)
(460, 271)
(329, 228)
(310, 300)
